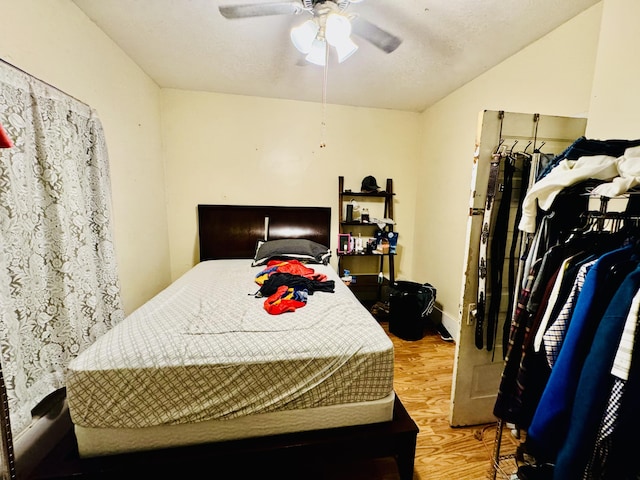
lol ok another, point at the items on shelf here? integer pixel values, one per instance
(366, 229)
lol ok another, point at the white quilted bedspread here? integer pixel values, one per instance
(205, 348)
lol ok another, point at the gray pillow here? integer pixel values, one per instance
(291, 248)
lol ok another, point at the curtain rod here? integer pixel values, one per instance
(2, 60)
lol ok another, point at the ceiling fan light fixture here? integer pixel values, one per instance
(303, 35)
(337, 29)
(318, 53)
(345, 49)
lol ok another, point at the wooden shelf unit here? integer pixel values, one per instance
(366, 287)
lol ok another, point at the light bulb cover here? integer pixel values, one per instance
(338, 29)
(318, 53)
(303, 35)
(345, 49)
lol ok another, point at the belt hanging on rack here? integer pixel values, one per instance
(516, 250)
(494, 169)
(498, 249)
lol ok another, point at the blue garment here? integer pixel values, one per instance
(550, 423)
(584, 147)
(595, 383)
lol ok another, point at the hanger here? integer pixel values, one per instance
(537, 150)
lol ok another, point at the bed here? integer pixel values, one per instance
(204, 370)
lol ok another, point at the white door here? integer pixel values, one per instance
(476, 375)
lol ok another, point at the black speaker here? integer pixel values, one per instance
(349, 213)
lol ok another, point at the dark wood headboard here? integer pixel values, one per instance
(232, 231)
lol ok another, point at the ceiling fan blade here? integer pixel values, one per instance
(260, 9)
(373, 34)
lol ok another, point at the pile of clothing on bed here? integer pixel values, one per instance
(287, 285)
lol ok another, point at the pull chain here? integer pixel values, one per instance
(323, 124)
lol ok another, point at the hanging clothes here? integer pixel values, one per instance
(561, 296)
(526, 369)
(604, 462)
(553, 336)
(567, 173)
(563, 380)
(628, 175)
(621, 174)
(584, 147)
(509, 402)
(523, 378)
(550, 423)
(595, 383)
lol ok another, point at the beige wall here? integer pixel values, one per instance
(217, 148)
(228, 149)
(615, 103)
(54, 41)
(553, 77)
(232, 149)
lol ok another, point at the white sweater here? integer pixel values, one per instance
(624, 173)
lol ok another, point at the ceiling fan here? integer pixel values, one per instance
(329, 25)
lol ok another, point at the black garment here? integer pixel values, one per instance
(568, 211)
(543, 471)
(270, 286)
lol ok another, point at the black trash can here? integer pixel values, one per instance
(410, 303)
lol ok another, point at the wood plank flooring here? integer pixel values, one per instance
(423, 376)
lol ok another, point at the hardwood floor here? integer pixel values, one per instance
(423, 376)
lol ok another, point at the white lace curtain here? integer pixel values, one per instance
(59, 287)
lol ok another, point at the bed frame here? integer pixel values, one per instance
(231, 231)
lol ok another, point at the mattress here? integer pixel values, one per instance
(108, 441)
(205, 350)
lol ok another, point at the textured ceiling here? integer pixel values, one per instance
(188, 44)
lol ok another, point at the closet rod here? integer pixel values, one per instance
(626, 194)
(611, 216)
